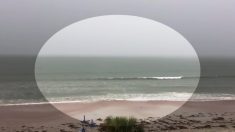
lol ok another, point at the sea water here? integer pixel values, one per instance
(63, 79)
(117, 78)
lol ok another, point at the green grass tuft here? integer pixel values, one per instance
(121, 124)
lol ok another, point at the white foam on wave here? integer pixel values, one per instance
(157, 78)
(167, 96)
(162, 78)
(212, 97)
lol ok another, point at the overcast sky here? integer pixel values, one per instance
(26, 25)
(118, 35)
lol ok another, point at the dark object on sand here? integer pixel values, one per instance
(83, 129)
(84, 120)
(121, 124)
(99, 119)
(218, 119)
(92, 124)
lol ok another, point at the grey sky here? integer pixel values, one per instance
(209, 25)
(118, 35)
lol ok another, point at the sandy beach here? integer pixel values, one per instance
(211, 115)
(102, 109)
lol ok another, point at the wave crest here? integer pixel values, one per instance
(142, 78)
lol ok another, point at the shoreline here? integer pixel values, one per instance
(76, 101)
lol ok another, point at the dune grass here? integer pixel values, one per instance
(121, 124)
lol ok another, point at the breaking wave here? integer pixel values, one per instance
(167, 96)
(141, 78)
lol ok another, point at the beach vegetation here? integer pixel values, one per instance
(121, 124)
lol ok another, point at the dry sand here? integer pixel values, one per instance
(193, 116)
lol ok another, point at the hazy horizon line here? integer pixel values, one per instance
(35, 55)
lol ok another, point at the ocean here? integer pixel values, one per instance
(116, 78)
(85, 79)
